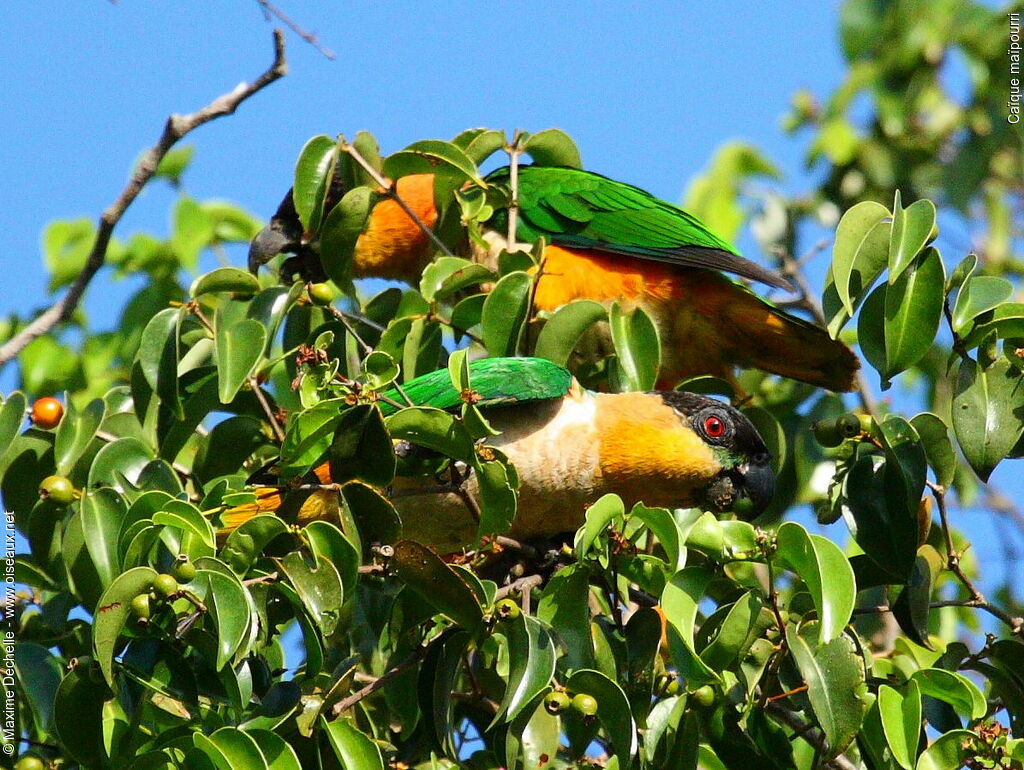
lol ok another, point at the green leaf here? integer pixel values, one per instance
(901, 721)
(319, 586)
(913, 308)
(1007, 321)
(277, 753)
(553, 147)
(911, 230)
(953, 688)
(598, 516)
(309, 436)
(480, 143)
(947, 752)
(66, 247)
(238, 748)
(447, 275)
(361, 448)
(906, 462)
(612, 709)
(437, 584)
(497, 483)
(434, 429)
(173, 164)
(834, 675)
(531, 664)
(158, 355)
(39, 675)
(312, 179)
(504, 313)
(432, 156)
(225, 279)
(78, 717)
(564, 329)
(342, 228)
(978, 295)
(860, 253)
(246, 542)
(352, 747)
(327, 541)
(964, 270)
(74, 434)
(680, 602)
(102, 511)
(187, 518)
(938, 447)
(988, 413)
(112, 611)
(564, 607)
(239, 349)
(741, 626)
(637, 347)
(912, 606)
(229, 608)
(826, 572)
(12, 416)
(375, 517)
(379, 369)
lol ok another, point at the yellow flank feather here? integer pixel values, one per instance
(393, 246)
(648, 453)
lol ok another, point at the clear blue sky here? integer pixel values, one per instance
(647, 90)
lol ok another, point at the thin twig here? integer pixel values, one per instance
(521, 585)
(513, 183)
(265, 405)
(390, 191)
(809, 733)
(346, 703)
(272, 10)
(177, 126)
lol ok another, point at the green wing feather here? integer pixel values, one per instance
(499, 381)
(574, 208)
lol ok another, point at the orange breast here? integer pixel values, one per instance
(393, 246)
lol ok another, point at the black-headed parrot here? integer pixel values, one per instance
(611, 242)
(569, 446)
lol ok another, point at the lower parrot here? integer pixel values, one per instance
(610, 242)
(569, 446)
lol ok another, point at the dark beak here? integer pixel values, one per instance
(267, 244)
(759, 483)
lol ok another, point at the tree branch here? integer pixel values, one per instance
(346, 703)
(177, 126)
(269, 9)
(809, 733)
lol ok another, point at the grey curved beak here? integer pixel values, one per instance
(268, 243)
(759, 483)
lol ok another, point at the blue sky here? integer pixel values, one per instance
(647, 94)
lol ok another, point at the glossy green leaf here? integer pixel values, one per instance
(504, 313)
(947, 752)
(78, 717)
(988, 412)
(39, 675)
(834, 676)
(532, 657)
(637, 347)
(277, 753)
(341, 230)
(309, 436)
(553, 147)
(66, 247)
(238, 748)
(680, 602)
(860, 253)
(497, 484)
(953, 688)
(229, 608)
(158, 355)
(112, 612)
(238, 351)
(826, 572)
(225, 279)
(432, 156)
(12, 417)
(978, 295)
(361, 448)
(434, 429)
(911, 230)
(564, 329)
(938, 447)
(913, 308)
(312, 178)
(912, 607)
(604, 510)
(480, 143)
(901, 721)
(743, 623)
(906, 462)
(352, 747)
(612, 710)
(375, 517)
(318, 585)
(564, 607)
(102, 512)
(74, 434)
(188, 518)
(437, 584)
(247, 541)
(327, 541)
(447, 275)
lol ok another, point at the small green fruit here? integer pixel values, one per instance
(703, 696)
(141, 607)
(826, 433)
(585, 704)
(165, 585)
(320, 294)
(183, 570)
(556, 701)
(30, 763)
(849, 425)
(507, 609)
(59, 489)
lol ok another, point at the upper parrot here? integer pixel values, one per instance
(569, 446)
(612, 242)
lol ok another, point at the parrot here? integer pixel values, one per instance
(569, 446)
(611, 242)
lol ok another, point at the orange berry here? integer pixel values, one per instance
(46, 413)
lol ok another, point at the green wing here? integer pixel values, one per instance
(497, 380)
(580, 209)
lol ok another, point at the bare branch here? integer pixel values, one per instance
(346, 703)
(177, 127)
(809, 733)
(269, 9)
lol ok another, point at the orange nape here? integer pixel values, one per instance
(320, 504)
(393, 246)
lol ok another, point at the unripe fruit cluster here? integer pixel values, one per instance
(557, 701)
(833, 431)
(165, 586)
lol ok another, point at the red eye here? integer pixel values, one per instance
(714, 427)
